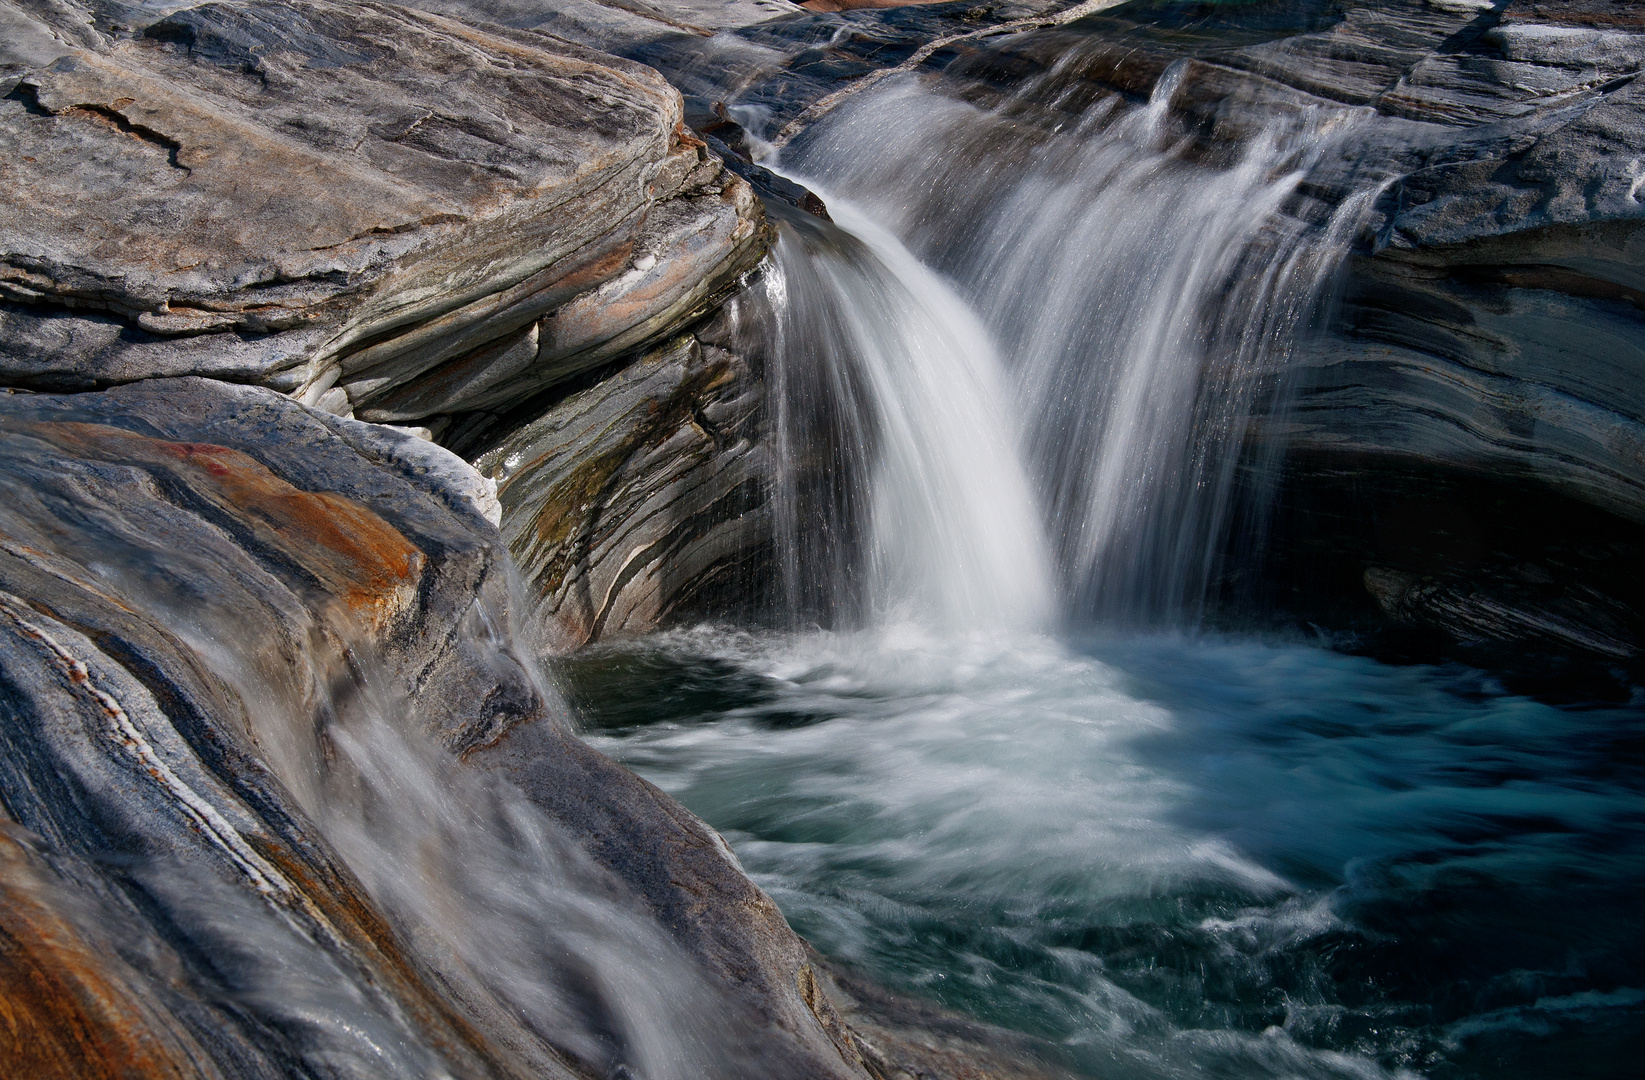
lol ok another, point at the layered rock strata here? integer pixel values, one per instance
(387, 213)
(642, 498)
(225, 619)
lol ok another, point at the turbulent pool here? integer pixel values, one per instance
(1171, 856)
(1013, 380)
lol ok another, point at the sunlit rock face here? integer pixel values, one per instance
(387, 213)
(153, 802)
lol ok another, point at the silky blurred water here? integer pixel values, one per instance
(1171, 855)
(1013, 383)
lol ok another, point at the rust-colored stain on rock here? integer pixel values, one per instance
(353, 554)
(64, 1015)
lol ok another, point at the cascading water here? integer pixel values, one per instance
(1166, 855)
(545, 952)
(889, 390)
(1146, 304)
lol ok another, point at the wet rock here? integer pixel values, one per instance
(381, 211)
(1417, 560)
(904, 1038)
(691, 883)
(222, 616)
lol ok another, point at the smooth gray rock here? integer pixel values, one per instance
(616, 25)
(357, 204)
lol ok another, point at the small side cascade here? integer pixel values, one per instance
(901, 492)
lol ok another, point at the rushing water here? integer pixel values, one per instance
(1172, 856)
(541, 948)
(1145, 299)
(1014, 381)
(904, 489)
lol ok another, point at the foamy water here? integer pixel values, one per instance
(1170, 856)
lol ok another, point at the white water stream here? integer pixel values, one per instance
(1144, 303)
(1017, 378)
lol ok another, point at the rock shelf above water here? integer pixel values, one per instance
(385, 212)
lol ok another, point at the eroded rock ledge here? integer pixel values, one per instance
(387, 213)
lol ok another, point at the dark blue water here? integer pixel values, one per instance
(1173, 856)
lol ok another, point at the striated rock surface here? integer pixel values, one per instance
(643, 498)
(1495, 329)
(385, 212)
(241, 642)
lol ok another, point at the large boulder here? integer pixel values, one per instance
(246, 649)
(387, 213)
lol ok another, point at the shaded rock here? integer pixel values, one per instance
(371, 208)
(643, 498)
(1411, 559)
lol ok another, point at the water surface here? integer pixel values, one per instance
(1172, 855)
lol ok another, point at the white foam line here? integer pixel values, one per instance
(216, 828)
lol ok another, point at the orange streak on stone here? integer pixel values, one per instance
(63, 1014)
(355, 555)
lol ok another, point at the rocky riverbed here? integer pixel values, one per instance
(353, 354)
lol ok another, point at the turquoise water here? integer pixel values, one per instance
(1168, 855)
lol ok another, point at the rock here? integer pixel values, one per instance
(642, 499)
(900, 1037)
(1419, 560)
(619, 24)
(156, 537)
(293, 195)
(245, 648)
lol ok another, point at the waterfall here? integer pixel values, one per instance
(902, 492)
(1146, 293)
